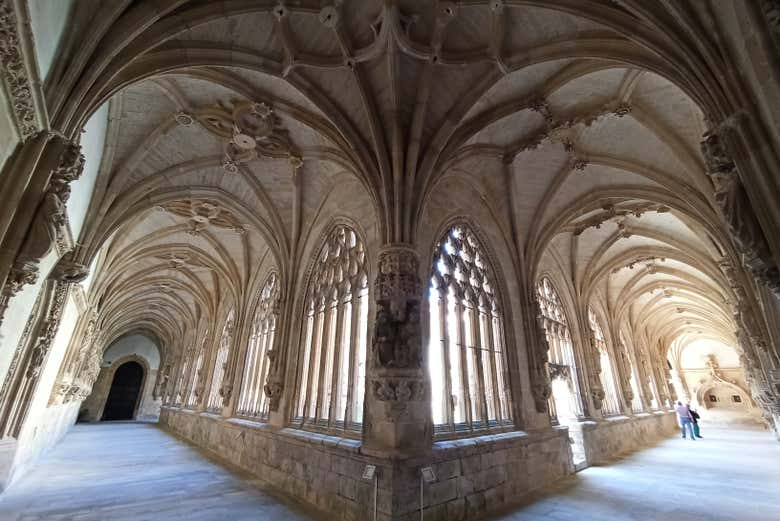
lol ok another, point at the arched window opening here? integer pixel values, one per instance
(565, 406)
(466, 346)
(214, 403)
(611, 405)
(333, 360)
(252, 402)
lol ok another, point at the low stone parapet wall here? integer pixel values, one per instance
(475, 476)
(609, 438)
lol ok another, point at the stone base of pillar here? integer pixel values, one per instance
(398, 416)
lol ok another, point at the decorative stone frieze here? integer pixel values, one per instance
(14, 72)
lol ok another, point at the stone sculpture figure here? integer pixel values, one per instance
(737, 210)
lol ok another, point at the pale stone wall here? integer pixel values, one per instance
(607, 439)
(475, 475)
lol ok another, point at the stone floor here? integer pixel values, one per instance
(728, 475)
(135, 472)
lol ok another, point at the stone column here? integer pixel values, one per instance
(541, 387)
(397, 404)
(593, 366)
(624, 370)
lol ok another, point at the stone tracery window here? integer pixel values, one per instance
(252, 401)
(333, 359)
(611, 404)
(564, 404)
(214, 403)
(466, 346)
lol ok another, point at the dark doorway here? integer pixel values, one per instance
(124, 392)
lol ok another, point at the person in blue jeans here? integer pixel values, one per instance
(685, 418)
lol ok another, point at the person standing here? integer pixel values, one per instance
(695, 420)
(685, 418)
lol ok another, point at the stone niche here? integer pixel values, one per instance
(475, 476)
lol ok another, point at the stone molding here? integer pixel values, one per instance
(13, 66)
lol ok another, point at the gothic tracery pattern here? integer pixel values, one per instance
(466, 348)
(253, 402)
(564, 402)
(333, 358)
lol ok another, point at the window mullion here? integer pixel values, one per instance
(477, 343)
(460, 318)
(261, 363)
(353, 354)
(445, 337)
(494, 353)
(324, 351)
(337, 347)
(311, 350)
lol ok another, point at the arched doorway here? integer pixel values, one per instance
(125, 389)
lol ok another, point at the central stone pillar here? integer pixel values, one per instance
(398, 395)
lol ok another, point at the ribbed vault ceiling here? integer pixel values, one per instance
(601, 151)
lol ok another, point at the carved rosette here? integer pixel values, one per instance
(737, 210)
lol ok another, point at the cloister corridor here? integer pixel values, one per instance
(137, 472)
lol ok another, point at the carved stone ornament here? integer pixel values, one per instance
(48, 331)
(398, 389)
(625, 373)
(226, 391)
(12, 67)
(202, 214)
(69, 271)
(541, 388)
(273, 390)
(248, 130)
(397, 341)
(737, 210)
